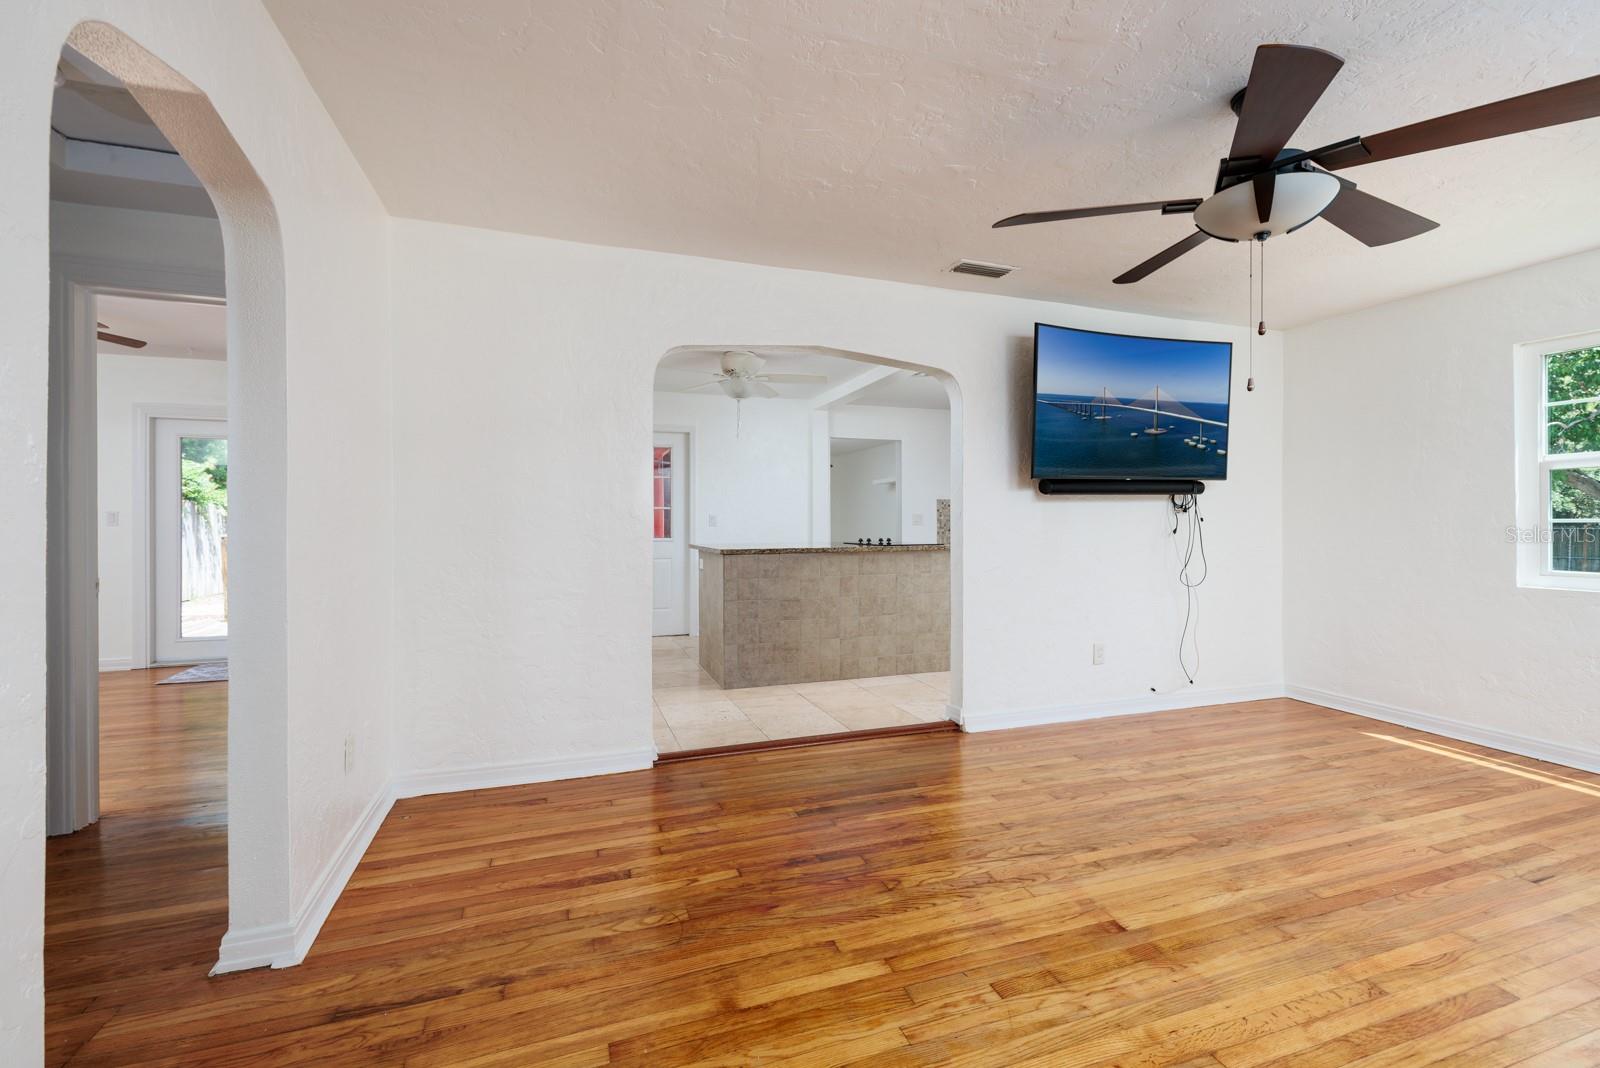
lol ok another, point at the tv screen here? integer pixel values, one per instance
(1115, 406)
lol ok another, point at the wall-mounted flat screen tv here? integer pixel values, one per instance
(1115, 406)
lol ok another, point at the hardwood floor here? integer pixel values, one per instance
(1264, 884)
(136, 903)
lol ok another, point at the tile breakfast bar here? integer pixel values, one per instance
(771, 616)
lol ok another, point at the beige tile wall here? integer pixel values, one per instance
(810, 617)
(711, 613)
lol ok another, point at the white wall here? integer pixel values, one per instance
(751, 469)
(863, 505)
(324, 670)
(527, 640)
(924, 434)
(125, 382)
(1401, 586)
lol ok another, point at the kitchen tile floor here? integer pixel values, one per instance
(693, 712)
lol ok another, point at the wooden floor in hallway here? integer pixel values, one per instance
(1263, 884)
(138, 901)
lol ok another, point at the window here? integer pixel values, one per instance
(662, 513)
(1559, 473)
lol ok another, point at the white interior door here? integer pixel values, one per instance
(670, 532)
(189, 540)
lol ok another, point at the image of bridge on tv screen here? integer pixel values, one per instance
(1160, 406)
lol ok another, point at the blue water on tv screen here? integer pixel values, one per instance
(1114, 406)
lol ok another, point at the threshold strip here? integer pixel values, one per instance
(944, 726)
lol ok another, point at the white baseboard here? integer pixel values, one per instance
(286, 944)
(489, 776)
(1520, 744)
(283, 945)
(336, 873)
(974, 720)
(116, 663)
(255, 947)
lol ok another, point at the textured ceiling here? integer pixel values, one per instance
(882, 138)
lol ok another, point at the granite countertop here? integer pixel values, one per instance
(756, 550)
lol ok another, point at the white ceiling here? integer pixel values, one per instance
(105, 150)
(172, 327)
(883, 138)
(906, 389)
(846, 446)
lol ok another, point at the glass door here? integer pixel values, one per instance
(190, 540)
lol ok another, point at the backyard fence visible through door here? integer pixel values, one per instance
(189, 539)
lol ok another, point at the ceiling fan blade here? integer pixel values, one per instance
(1372, 220)
(1263, 187)
(118, 339)
(1162, 258)
(1165, 207)
(792, 378)
(713, 384)
(761, 389)
(1286, 81)
(1530, 111)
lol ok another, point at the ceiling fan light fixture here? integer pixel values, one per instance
(1297, 198)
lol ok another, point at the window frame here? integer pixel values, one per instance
(1535, 529)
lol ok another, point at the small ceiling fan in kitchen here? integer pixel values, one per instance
(1265, 189)
(742, 376)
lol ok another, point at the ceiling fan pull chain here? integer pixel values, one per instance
(1261, 327)
(1250, 313)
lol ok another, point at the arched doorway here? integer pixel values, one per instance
(806, 506)
(257, 788)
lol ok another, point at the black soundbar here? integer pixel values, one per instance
(1120, 487)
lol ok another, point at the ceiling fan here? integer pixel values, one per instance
(1265, 189)
(742, 376)
(118, 339)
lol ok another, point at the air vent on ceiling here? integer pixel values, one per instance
(982, 270)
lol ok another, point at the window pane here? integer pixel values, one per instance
(1575, 547)
(203, 526)
(1575, 493)
(662, 505)
(1574, 427)
(1574, 374)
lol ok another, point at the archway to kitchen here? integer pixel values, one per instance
(805, 539)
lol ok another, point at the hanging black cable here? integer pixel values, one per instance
(1188, 507)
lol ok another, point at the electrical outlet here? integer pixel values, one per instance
(711, 520)
(916, 519)
(1098, 653)
(349, 753)
(113, 519)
